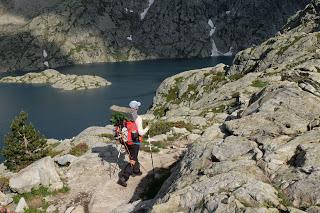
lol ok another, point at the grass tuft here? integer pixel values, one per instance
(259, 84)
(79, 149)
(106, 135)
(4, 184)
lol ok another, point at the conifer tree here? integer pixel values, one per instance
(23, 144)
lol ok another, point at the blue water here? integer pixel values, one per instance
(63, 114)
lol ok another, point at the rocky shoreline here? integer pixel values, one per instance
(58, 80)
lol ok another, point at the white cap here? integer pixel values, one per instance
(134, 104)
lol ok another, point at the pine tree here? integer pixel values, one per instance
(23, 144)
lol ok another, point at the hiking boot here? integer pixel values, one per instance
(122, 182)
(137, 174)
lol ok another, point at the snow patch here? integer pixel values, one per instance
(44, 53)
(212, 31)
(144, 13)
(214, 50)
(129, 38)
(46, 63)
(210, 23)
(230, 53)
(213, 28)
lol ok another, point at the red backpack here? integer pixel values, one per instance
(133, 134)
(127, 132)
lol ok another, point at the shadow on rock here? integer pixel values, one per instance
(149, 187)
(110, 154)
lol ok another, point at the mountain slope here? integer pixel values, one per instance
(259, 150)
(75, 32)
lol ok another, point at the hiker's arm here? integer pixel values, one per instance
(141, 130)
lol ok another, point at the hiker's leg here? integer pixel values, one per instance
(136, 165)
(127, 171)
(129, 167)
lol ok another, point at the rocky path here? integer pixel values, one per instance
(92, 179)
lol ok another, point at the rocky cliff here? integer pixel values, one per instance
(74, 32)
(259, 150)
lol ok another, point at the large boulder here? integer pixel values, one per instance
(93, 135)
(40, 173)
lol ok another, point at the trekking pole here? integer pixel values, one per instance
(119, 153)
(151, 156)
(127, 150)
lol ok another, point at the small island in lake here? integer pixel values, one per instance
(58, 80)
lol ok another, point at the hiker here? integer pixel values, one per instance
(134, 138)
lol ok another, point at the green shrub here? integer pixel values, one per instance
(172, 95)
(284, 199)
(34, 210)
(35, 198)
(182, 124)
(63, 190)
(52, 153)
(259, 84)
(79, 149)
(159, 111)
(236, 76)
(40, 192)
(118, 117)
(23, 144)
(4, 184)
(162, 127)
(158, 128)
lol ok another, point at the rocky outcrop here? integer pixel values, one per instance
(58, 80)
(40, 173)
(59, 32)
(258, 153)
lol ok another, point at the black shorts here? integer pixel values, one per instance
(133, 151)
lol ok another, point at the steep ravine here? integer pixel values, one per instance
(76, 32)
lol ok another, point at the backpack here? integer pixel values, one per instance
(127, 132)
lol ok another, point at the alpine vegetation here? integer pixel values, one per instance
(23, 144)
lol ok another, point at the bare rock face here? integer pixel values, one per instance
(94, 135)
(40, 173)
